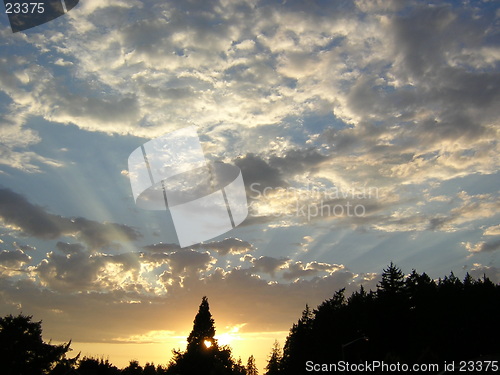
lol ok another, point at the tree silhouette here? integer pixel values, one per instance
(94, 366)
(392, 312)
(409, 319)
(392, 282)
(149, 369)
(273, 366)
(251, 367)
(133, 368)
(202, 335)
(296, 350)
(203, 354)
(239, 369)
(22, 350)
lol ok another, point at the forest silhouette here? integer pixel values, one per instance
(409, 319)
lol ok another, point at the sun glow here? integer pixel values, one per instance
(232, 335)
(208, 343)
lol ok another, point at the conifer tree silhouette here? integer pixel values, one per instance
(392, 282)
(297, 349)
(411, 319)
(203, 354)
(251, 367)
(273, 366)
(202, 335)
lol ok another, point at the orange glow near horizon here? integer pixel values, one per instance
(258, 344)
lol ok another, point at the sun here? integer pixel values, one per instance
(207, 343)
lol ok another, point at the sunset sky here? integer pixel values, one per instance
(381, 112)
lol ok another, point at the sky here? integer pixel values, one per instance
(366, 132)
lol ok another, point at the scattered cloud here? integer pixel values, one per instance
(492, 231)
(479, 271)
(222, 247)
(14, 259)
(482, 247)
(19, 214)
(313, 96)
(269, 265)
(300, 270)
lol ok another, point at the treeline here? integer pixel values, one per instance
(23, 352)
(408, 319)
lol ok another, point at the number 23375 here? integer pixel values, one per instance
(24, 8)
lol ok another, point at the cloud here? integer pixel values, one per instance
(228, 246)
(478, 271)
(396, 102)
(19, 214)
(472, 207)
(482, 247)
(259, 173)
(99, 314)
(70, 248)
(15, 139)
(222, 247)
(24, 248)
(269, 265)
(492, 231)
(14, 259)
(162, 247)
(189, 261)
(81, 271)
(300, 270)
(155, 336)
(325, 94)
(456, 213)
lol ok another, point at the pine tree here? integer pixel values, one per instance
(203, 354)
(251, 367)
(202, 335)
(392, 282)
(273, 366)
(239, 369)
(298, 344)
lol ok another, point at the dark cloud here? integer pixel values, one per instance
(190, 261)
(13, 259)
(35, 221)
(259, 173)
(269, 265)
(69, 248)
(297, 161)
(98, 235)
(23, 247)
(116, 110)
(32, 220)
(162, 247)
